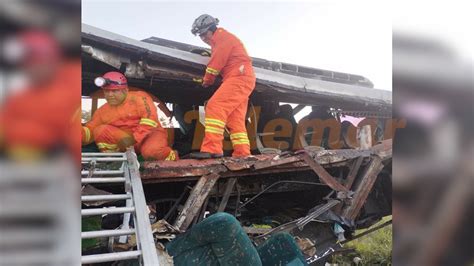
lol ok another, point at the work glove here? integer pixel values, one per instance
(206, 53)
(204, 83)
(208, 80)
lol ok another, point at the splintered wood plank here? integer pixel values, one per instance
(196, 200)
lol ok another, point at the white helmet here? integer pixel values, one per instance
(203, 23)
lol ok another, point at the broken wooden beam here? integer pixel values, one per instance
(322, 173)
(363, 188)
(353, 172)
(228, 190)
(195, 200)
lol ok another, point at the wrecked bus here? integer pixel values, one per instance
(319, 178)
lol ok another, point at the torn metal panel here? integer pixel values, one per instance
(287, 68)
(236, 164)
(275, 80)
(113, 59)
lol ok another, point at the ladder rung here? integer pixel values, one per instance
(107, 233)
(110, 257)
(93, 180)
(103, 172)
(105, 197)
(100, 211)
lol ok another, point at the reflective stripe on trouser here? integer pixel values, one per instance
(172, 156)
(228, 105)
(107, 147)
(214, 131)
(240, 143)
(107, 137)
(153, 147)
(236, 123)
(86, 135)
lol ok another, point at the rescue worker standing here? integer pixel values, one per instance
(128, 118)
(228, 106)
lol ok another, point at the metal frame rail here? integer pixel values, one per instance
(135, 207)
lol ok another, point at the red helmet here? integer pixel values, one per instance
(33, 47)
(112, 81)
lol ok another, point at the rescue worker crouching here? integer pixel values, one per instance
(127, 119)
(228, 105)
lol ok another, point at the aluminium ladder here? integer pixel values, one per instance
(135, 207)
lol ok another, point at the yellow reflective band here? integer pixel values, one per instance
(214, 124)
(220, 130)
(149, 122)
(212, 71)
(237, 140)
(240, 142)
(88, 134)
(107, 146)
(214, 130)
(238, 135)
(171, 156)
(215, 121)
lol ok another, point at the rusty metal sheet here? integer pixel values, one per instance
(275, 162)
(187, 169)
(335, 156)
(181, 168)
(363, 188)
(237, 164)
(183, 163)
(182, 173)
(195, 201)
(322, 173)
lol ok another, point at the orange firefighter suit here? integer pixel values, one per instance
(135, 121)
(43, 118)
(228, 106)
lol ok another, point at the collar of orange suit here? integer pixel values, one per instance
(215, 36)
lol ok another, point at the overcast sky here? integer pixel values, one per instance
(348, 37)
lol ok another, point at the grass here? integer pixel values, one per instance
(374, 248)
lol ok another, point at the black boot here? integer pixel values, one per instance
(204, 155)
